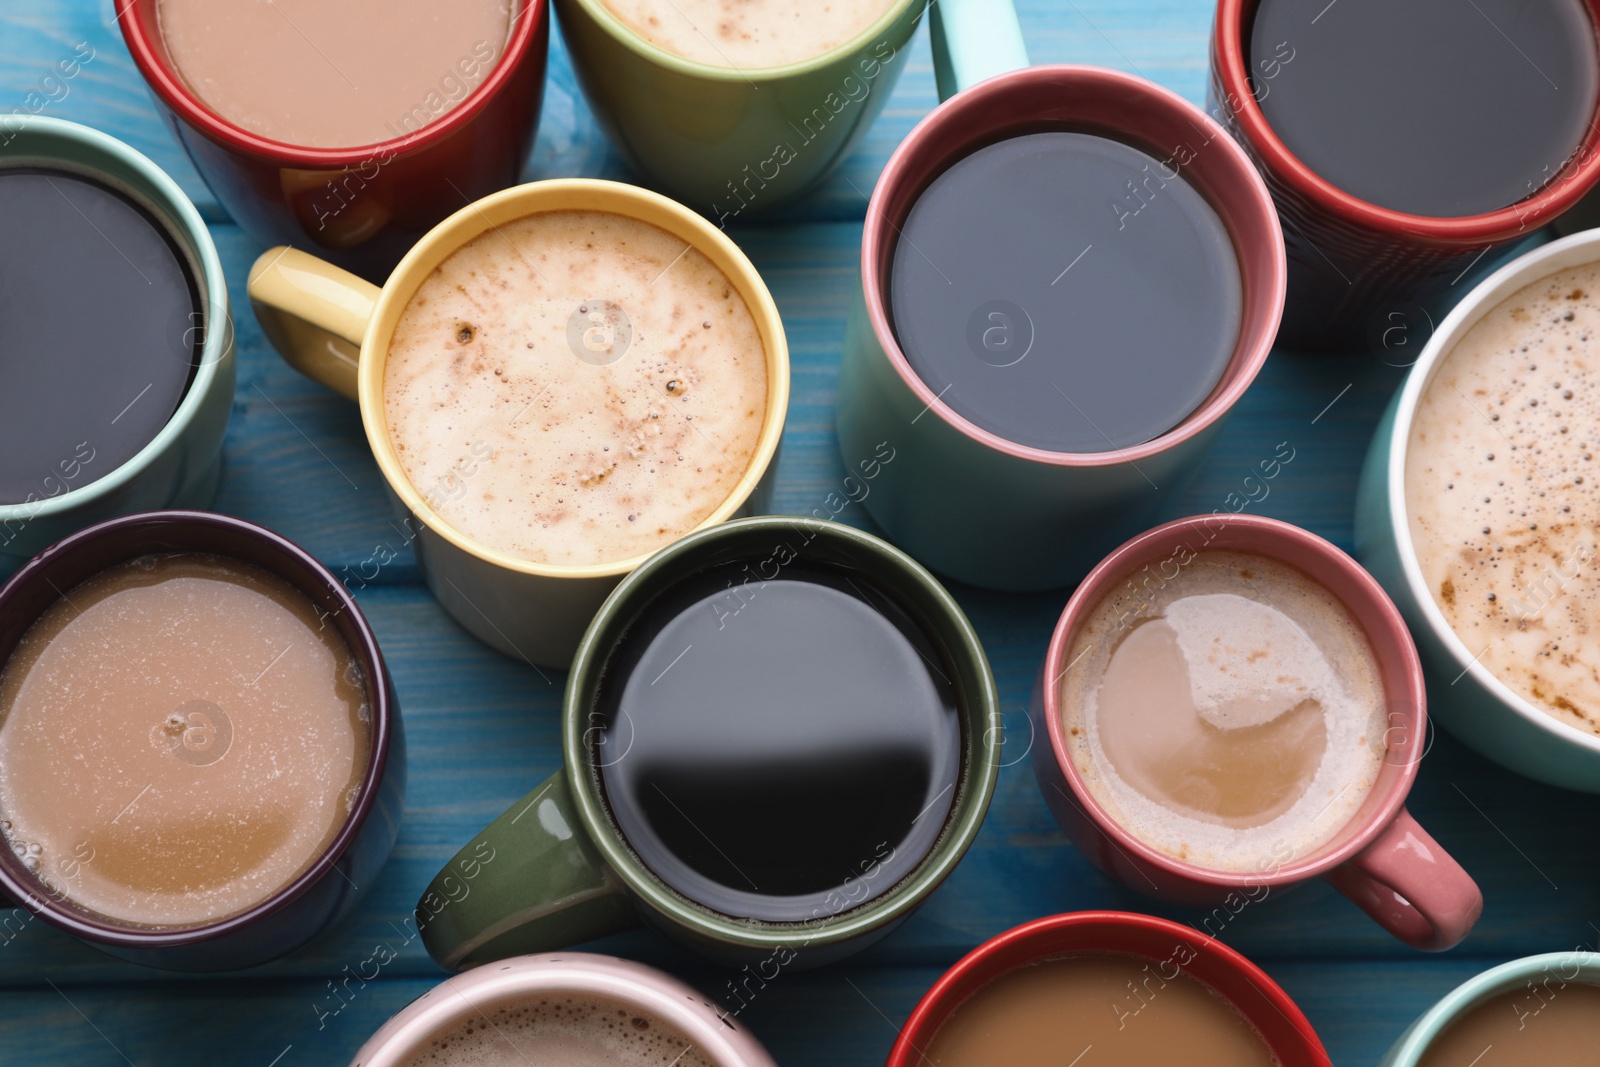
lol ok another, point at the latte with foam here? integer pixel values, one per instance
(560, 1031)
(1502, 489)
(1233, 718)
(749, 34)
(576, 387)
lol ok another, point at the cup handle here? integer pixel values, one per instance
(974, 40)
(531, 882)
(1411, 886)
(314, 313)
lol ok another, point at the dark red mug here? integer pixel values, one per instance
(1355, 266)
(1256, 997)
(361, 208)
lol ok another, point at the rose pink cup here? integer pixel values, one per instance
(715, 1033)
(1382, 859)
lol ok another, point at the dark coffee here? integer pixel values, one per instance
(99, 331)
(778, 750)
(1432, 107)
(1067, 291)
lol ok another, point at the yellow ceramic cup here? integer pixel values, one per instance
(336, 328)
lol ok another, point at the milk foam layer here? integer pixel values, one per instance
(748, 34)
(575, 388)
(1238, 668)
(1503, 492)
(560, 1031)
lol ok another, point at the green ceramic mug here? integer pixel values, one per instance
(181, 466)
(729, 140)
(1540, 979)
(565, 873)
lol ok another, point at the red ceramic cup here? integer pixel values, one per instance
(1241, 983)
(1353, 265)
(1382, 860)
(362, 208)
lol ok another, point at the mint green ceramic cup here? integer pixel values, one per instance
(1540, 976)
(181, 466)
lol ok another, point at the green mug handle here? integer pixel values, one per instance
(531, 882)
(974, 40)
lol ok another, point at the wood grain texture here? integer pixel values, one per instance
(483, 730)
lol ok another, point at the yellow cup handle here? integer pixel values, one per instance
(314, 313)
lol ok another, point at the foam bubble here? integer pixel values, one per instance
(561, 1031)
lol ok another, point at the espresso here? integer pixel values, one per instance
(100, 331)
(338, 74)
(1549, 1021)
(560, 1031)
(779, 749)
(575, 387)
(1067, 291)
(749, 34)
(1431, 107)
(180, 737)
(1232, 717)
(1105, 1010)
(1501, 492)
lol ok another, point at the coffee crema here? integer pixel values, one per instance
(576, 387)
(1546, 1023)
(749, 34)
(560, 1031)
(1104, 1009)
(1233, 719)
(343, 74)
(180, 737)
(1502, 491)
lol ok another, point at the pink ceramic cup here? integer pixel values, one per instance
(1382, 859)
(471, 996)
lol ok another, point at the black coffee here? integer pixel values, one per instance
(1431, 107)
(99, 331)
(1067, 291)
(782, 749)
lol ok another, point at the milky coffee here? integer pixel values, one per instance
(1501, 490)
(560, 1031)
(748, 34)
(1232, 717)
(575, 387)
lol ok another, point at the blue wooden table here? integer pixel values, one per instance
(483, 729)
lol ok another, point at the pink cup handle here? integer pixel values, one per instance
(1411, 886)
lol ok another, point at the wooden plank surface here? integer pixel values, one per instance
(482, 729)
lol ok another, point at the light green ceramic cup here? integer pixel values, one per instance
(1540, 976)
(181, 466)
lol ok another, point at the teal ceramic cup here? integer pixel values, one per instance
(1464, 697)
(1541, 978)
(180, 467)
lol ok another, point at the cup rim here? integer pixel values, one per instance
(1357, 585)
(141, 36)
(1230, 66)
(183, 222)
(932, 1009)
(582, 973)
(660, 57)
(598, 195)
(384, 714)
(963, 823)
(1527, 269)
(1242, 368)
(1480, 987)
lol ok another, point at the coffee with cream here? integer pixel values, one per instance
(560, 1031)
(749, 34)
(576, 387)
(1232, 718)
(1502, 487)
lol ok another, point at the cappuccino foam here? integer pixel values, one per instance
(560, 1031)
(1502, 488)
(575, 387)
(749, 34)
(1232, 718)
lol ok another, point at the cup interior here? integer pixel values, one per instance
(761, 542)
(1121, 107)
(42, 582)
(1399, 670)
(569, 194)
